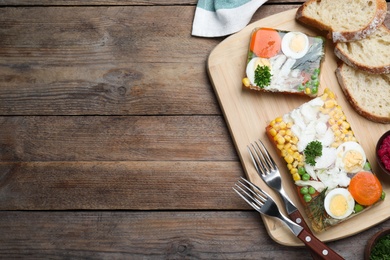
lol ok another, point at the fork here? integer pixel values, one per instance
(269, 172)
(263, 203)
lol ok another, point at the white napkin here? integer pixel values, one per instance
(214, 18)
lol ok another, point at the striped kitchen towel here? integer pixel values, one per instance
(214, 18)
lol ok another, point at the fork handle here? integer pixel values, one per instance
(317, 246)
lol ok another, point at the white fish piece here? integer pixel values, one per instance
(316, 102)
(286, 68)
(327, 158)
(310, 170)
(328, 138)
(319, 186)
(320, 128)
(308, 112)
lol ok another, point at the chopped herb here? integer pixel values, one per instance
(317, 211)
(262, 76)
(381, 250)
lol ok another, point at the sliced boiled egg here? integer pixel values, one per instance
(295, 45)
(339, 203)
(350, 157)
(252, 65)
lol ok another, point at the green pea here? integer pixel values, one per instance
(367, 166)
(314, 76)
(301, 171)
(307, 197)
(306, 177)
(304, 190)
(383, 196)
(358, 208)
(312, 190)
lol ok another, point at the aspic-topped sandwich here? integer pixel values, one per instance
(327, 164)
(283, 61)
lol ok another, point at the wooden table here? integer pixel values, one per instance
(112, 142)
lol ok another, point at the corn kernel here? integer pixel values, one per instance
(295, 164)
(281, 140)
(278, 119)
(324, 96)
(289, 158)
(345, 125)
(294, 170)
(287, 137)
(296, 177)
(280, 146)
(283, 153)
(246, 82)
(289, 124)
(282, 132)
(272, 132)
(272, 123)
(283, 125)
(287, 146)
(329, 103)
(308, 91)
(289, 166)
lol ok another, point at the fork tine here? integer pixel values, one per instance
(248, 198)
(258, 158)
(254, 196)
(267, 157)
(266, 161)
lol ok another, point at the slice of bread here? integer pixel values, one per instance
(371, 54)
(343, 20)
(369, 94)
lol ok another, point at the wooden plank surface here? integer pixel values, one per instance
(152, 235)
(135, 185)
(115, 138)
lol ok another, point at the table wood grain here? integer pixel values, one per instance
(112, 142)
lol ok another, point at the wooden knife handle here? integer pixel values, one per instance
(321, 250)
(297, 217)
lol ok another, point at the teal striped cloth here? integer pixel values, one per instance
(215, 18)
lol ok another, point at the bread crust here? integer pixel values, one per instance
(361, 66)
(344, 36)
(354, 103)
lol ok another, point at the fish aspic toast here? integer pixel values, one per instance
(328, 166)
(284, 61)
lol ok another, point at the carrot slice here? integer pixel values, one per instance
(265, 42)
(365, 188)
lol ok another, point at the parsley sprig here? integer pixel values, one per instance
(312, 150)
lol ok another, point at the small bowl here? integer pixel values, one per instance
(372, 242)
(376, 152)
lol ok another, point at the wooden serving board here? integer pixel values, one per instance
(248, 112)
